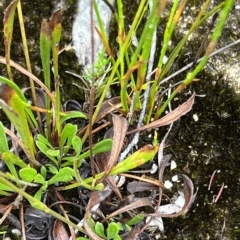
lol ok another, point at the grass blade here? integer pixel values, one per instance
(14, 108)
(8, 21)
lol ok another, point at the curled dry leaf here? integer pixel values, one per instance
(173, 209)
(97, 197)
(108, 107)
(170, 117)
(119, 132)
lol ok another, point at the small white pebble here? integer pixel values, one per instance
(237, 7)
(16, 231)
(173, 165)
(168, 184)
(154, 168)
(175, 178)
(195, 117)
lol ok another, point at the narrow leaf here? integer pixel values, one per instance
(68, 132)
(12, 158)
(143, 202)
(3, 140)
(8, 21)
(45, 50)
(103, 146)
(55, 25)
(70, 115)
(42, 139)
(14, 108)
(119, 133)
(44, 149)
(136, 219)
(170, 117)
(137, 159)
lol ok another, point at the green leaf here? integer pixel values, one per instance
(42, 139)
(117, 238)
(64, 175)
(77, 144)
(52, 168)
(112, 230)
(45, 50)
(38, 194)
(11, 160)
(43, 171)
(28, 174)
(10, 157)
(120, 226)
(44, 149)
(68, 132)
(91, 224)
(14, 107)
(55, 23)
(70, 115)
(39, 179)
(137, 159)
(3, 140)
(99, 229)
(136, 219)
(53, 153)
(4, 187)
(128, 228)
(69, 161)
(8, 21)
(103, 146)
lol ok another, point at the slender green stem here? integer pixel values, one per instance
(37, 204)
(211, 46)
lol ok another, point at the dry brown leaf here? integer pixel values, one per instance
(143, 202)
(188, 196)
(137, 65)
(59, 231)
(95, 198)
(108, 107)
(119, 133)
(136, 186)
(30, 75)
(170, 117)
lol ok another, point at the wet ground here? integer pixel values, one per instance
(204, 141)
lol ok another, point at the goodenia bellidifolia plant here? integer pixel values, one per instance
(46, 133)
